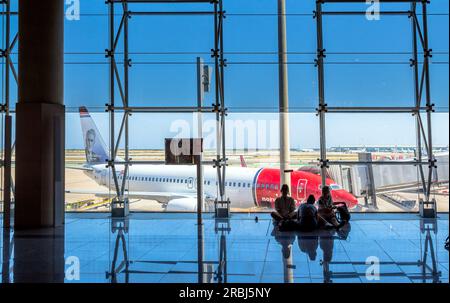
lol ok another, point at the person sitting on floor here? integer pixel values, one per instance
(307, 215)
(327, 216)
(284, 206)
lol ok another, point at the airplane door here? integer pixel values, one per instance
(301, 190)
(190, 184)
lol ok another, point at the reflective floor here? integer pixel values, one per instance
(169, 248)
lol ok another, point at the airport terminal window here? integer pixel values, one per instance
(306, 152)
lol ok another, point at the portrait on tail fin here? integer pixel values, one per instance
(94, 146)
(91, 156)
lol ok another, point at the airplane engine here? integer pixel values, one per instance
(182, 205)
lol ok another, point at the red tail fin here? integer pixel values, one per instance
(243, 164)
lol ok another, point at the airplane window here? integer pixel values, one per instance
(272, 186)
(335, 187)
(234, 184)
(249, 185)
(209, 182)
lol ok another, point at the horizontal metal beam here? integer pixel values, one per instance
(191, 13)
(364, 1)
(157, 109)
(154, 163)
(359, 13)
(400, 163)
(374, 109)
(160, 1)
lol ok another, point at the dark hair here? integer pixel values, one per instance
(311, 199)
(326, 189)
(285, 187)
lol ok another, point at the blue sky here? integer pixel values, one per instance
(251, 27)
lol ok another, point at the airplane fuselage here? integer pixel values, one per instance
(245, 187)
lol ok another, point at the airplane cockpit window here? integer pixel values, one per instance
(335, 187)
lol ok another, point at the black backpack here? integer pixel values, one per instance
(342, 213)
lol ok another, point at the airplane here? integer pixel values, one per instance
(175, 186)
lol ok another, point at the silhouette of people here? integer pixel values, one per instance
(308, 244)
(307, 215)
(326, 212)
(286, 239)
(284, 206)
(326, 243)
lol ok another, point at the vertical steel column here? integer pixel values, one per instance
(321, 85)
(429, 105)
(222, 96)
(217, 95)
(285, 156)
(111, 54)
(219, 64)
(126, 89)
(111, 81)
(8, 123)
(417, 97)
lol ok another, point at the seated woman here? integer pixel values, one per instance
(307, 215)
(284, 206)
(327, 216)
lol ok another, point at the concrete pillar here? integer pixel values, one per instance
(40, 125)
(285, 154)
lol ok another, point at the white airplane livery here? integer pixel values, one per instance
(175, 186)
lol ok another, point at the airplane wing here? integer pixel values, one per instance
(172, 201)
(80, 168)
(161, 197)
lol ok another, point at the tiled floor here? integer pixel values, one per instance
(168, 248)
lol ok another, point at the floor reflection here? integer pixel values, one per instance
(119, 227)
(308, 243)
(161, 248)
(38, 256)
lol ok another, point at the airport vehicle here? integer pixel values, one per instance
(175, 186)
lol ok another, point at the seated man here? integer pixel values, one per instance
(307, 215)
(326, 214)
(284, 206)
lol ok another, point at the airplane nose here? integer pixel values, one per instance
(346, 197)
